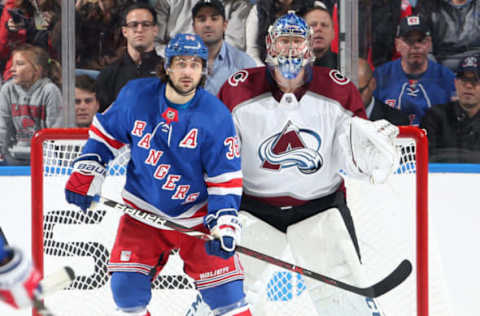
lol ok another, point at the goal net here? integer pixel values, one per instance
(391, 222)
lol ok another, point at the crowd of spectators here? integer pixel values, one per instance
(419, 59)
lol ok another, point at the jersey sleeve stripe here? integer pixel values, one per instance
(224, 191)
(229, 184)
(101, 135)
(224, 177)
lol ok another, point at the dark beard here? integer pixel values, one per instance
(180, 92)
(415, 66)
(140, 48)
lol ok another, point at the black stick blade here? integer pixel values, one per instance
(391, 281)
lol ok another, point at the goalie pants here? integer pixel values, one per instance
(281, 218)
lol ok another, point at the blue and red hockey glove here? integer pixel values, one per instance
(85, 182)
(226, 228)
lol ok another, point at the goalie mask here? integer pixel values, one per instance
(289, 45)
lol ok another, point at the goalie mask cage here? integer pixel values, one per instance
(64, 235)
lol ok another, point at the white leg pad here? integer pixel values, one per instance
(322, 244)
(259, 236)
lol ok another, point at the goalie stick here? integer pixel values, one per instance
(395, 278)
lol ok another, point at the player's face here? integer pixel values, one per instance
(185, 72)
(468, 90)
(140, 30)
(210, 25)
(291, 46)
(86, 106)
(414, 48)
(24, 73)
(323, 32)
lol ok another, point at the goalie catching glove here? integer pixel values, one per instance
(85, 182)
(226, 228)
(373, 150)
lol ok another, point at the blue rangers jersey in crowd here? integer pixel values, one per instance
(180, 158)
(414, 96)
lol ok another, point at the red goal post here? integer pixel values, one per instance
(76, 134)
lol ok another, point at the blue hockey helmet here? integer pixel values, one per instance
(288, 44)
(185, 44)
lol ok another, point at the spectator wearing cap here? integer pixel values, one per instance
(223, 59)
(454, 127)
(413, 83)
(375, 109)
(320, 20)
(455, 26)
(140, 58)
(175, 16)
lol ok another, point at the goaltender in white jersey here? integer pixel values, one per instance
(299, 125)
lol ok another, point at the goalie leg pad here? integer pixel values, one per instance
(327, 235)
(131, 291)
(264, 238)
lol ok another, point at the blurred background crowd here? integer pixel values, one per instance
(416, 62)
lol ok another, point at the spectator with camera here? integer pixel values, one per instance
(22, 22)
(99, 41)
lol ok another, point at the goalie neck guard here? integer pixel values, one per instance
(288, 45)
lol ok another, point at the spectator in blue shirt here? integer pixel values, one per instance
(223, 59)
(413, 83)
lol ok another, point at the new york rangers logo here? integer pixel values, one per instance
(292, 147)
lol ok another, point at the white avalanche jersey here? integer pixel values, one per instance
(292, 145)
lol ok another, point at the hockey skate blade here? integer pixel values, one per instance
(57, 280)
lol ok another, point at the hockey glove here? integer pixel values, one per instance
(373, 148)
(226, 228)
(18, 280)
(86, 180)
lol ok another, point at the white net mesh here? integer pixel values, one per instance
(83, 241)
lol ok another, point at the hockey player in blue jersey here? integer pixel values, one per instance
(184, 165)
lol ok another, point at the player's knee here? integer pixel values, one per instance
(131, 291)
(227, 299)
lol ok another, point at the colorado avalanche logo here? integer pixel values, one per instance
(292, 147)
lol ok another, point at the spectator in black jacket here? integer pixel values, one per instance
(453, 129)
(375, 108)
(140, 60)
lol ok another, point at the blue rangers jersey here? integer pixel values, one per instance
(414, 97)
(180, 158)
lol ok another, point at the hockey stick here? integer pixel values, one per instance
(394, 279)
(52, 283)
